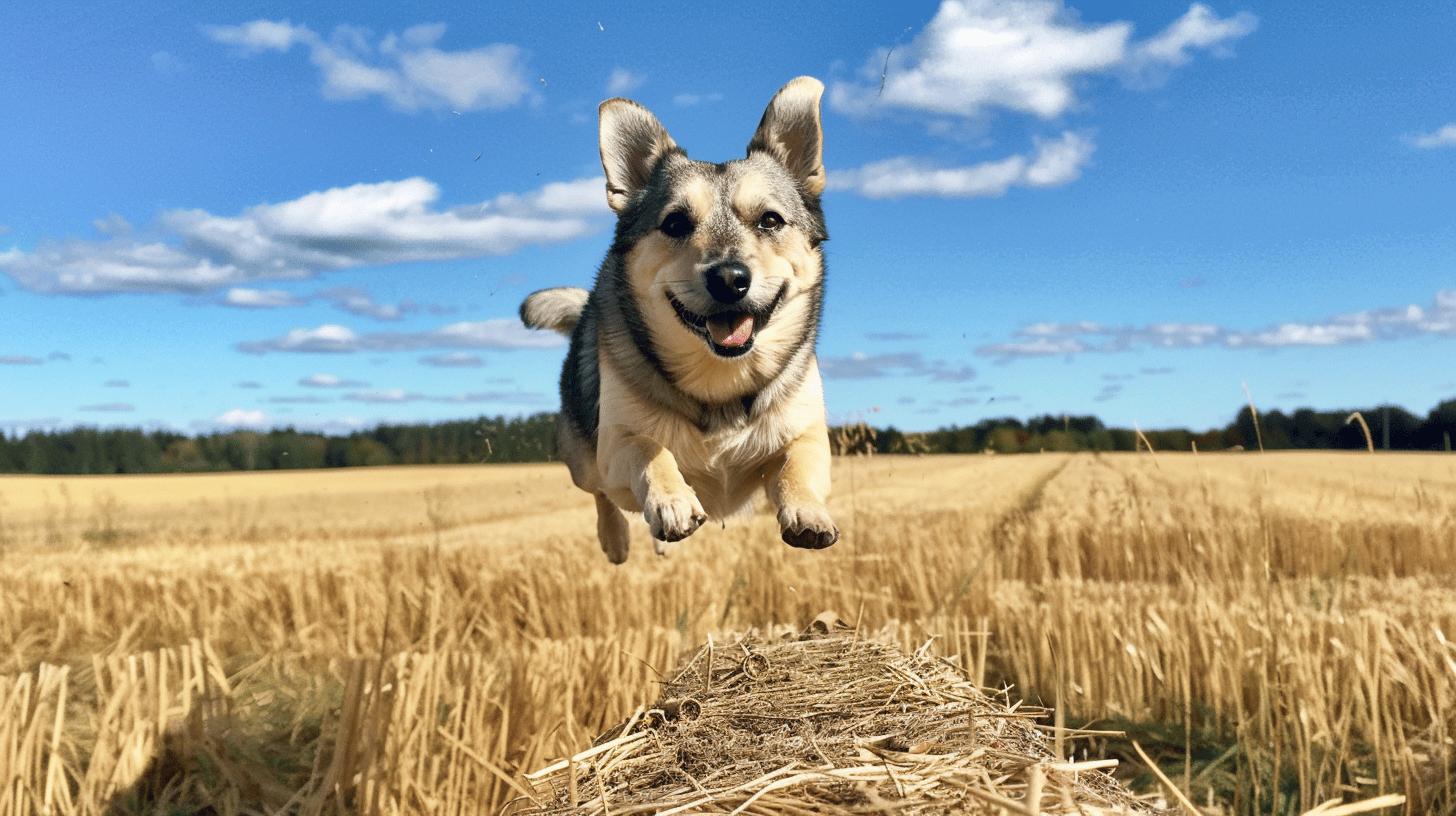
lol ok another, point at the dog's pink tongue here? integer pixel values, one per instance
(731, 331)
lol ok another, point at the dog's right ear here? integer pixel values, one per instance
(632, 143)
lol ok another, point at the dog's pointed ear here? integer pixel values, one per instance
(790, 132)
(632, 142)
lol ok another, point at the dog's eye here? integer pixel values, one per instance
(676, 225)
(770, 221)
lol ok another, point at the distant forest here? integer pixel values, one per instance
(529, 439)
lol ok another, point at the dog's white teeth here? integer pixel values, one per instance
(731, 331)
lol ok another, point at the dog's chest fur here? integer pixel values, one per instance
(729, 453)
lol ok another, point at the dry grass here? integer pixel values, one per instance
(1272, 628)
(825, 721)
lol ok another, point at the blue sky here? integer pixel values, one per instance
(326, 216)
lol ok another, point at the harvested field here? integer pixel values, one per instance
(1272, 628)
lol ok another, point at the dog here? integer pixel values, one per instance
(691, 381)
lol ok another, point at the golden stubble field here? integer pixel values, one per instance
(408, 640)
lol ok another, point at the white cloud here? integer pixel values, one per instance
(83, 267)
(117, 384)
(259, 298)
(1021, 55)
(109, 408)
(339, 228)
(1303, 334)
(329, 381)
(261, 35)
(1063, 339)
(329, 337)
(1055, 162)
(241, 418)
(1443, 136)
(1199, 28)
(498, 333)
(407, 70)
(623, 81)
(19, 360)
(1058, 161)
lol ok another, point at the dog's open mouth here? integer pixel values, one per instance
(728, 333)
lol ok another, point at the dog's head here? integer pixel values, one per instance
(723, 260)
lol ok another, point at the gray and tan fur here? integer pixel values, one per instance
(691, 382)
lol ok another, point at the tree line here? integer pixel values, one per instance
(1391, 428)
(85, 450)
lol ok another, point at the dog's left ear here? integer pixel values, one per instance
(790, 132)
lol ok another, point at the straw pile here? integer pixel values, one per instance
(826, 721)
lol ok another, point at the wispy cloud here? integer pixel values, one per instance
(407, 70)
(244, 298)
(499, 333)
(166, 64)
(109, 407)
(623, 81)
(1063, 339)
(21, 426)
(1021, 55)
(454, 359)
(1054, 163)
(1199, 29)
(116, 384)
(339, 228)
(330, 381)
(400, 395)
(261, 35)
(300, 399)
(358, 302)
(20, 360)
(861, 366)
(241, 418)
(690, 100)
(1444, 136)
(349, 299)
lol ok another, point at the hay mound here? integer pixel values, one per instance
(825, 722)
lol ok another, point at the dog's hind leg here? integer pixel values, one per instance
(612, 529)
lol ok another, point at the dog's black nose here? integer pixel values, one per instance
(728, 282)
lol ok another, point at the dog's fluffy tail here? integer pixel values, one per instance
(556, 309)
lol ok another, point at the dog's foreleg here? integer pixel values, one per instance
(800, 489)
(650, 472)
(612, 530)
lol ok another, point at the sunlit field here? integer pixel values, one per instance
(1275, 629)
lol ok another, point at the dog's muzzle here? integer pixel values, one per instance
(728, 332)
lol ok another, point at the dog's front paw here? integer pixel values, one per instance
(808, 527)
(673, 517)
